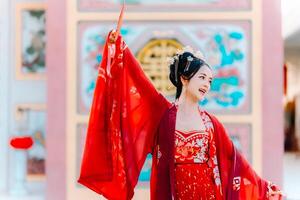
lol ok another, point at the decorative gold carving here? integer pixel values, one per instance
(153, 58)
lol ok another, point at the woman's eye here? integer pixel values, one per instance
(202, 77)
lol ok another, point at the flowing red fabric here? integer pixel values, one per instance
(124, 117)
(239, 180)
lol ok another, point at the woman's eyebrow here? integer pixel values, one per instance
(203, 74)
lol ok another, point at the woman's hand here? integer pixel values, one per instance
(273, 191)
(113, 36)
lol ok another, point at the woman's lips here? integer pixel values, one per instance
(202, 90)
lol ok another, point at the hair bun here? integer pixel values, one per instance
(184, 64)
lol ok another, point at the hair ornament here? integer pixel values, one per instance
(179, 52)
(175, 59)
(189, 60)
(176, 70)
(171, 60)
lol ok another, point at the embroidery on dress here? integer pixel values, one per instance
(159, 154)
(216, 171)
(206, 120)
(102, 74)
(133, 90)
(213, 151)
(191, 147)
(236, 183)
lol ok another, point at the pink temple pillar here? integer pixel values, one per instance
(56, 98)
(272, 91)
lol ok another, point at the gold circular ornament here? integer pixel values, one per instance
(154, 60)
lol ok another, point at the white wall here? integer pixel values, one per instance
(4, 91)
(292, 59)
(290, 17)
(12, 91)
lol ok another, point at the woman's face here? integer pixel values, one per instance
(199, 84)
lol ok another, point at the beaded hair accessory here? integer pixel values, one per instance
(175, 59)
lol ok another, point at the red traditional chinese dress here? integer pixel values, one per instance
(196, 170)
(130, 119)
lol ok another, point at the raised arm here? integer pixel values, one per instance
(125, 114)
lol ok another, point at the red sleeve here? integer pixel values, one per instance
(239, 180)
(124, 116)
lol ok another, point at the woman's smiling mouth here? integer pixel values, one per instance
(202, 90)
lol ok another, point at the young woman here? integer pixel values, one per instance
(193, 157)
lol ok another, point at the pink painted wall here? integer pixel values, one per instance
(56, 97)
(272, 107)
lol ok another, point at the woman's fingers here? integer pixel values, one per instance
(113, 36)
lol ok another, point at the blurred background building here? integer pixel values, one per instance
(50, 50)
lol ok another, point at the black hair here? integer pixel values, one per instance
(184, 67)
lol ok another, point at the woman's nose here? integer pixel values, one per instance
(206, 85)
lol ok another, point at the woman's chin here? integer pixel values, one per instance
(200, 97)
(196, 97)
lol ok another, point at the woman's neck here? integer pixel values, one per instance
(187, 105)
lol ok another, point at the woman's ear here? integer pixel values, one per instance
(183, 81)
